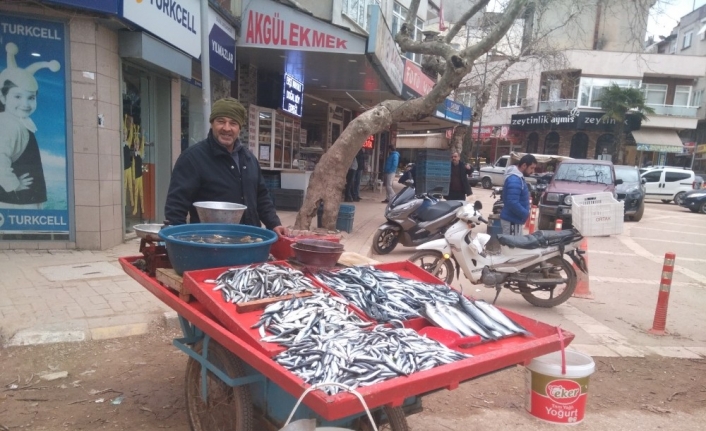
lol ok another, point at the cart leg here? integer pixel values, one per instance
(395, 420)
(225, 407)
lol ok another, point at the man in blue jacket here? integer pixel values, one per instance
(393, 159)
(515, 195)
(220, 168)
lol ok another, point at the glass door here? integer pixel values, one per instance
(264, 138)
(279, 141)
(137, 147)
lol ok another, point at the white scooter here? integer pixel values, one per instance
(531, 265)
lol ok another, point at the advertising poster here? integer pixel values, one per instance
(33, 169)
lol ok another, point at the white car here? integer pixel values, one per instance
(668, 183)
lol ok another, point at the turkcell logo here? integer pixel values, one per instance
(174, 10)
(14, 220)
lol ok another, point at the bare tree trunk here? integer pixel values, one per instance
(619, 139)
(329, 176)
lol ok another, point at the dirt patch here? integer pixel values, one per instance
(146, 376)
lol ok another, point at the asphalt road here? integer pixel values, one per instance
(625, 273)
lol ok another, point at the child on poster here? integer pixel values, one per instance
(22, 183)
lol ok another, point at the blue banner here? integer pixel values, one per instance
(12, 220)
(454, 111)
(221, 45)
(467, 114)
(33, 143)
(107, 6)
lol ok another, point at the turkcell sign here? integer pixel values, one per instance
(16, 220)
(175, 21)
(221, 45)
(292, 95)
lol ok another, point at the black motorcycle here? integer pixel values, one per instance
(413, 219)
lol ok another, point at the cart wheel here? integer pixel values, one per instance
(227, 408)
(395, 421)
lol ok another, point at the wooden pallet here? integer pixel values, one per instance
(174, 281)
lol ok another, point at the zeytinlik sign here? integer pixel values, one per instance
(570, 120)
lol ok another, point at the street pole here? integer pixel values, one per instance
(205, 68)
(480, 116)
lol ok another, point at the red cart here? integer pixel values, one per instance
(232, 383)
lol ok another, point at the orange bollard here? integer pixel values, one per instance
(559, 224)
(533, 219)
(665, 285)
(582, 288)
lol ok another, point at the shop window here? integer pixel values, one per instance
(512, 94)
(687, 40)
(606, 141)
(682, 94)
(591, 89)
(356, 10)
(551, 143)
(399, 16)
(532, 142)
(655, 94)
(579, 146)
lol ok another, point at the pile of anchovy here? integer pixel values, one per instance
(364, 357)
(260, 281)
(301, 318)
(384, 295)
(473, 318)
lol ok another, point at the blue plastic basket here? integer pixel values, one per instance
(346, 209)
(189, 256)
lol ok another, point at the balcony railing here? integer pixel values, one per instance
(557, 105)
(674, 110)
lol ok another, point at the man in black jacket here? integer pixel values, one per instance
(220, 168)
(458, 184)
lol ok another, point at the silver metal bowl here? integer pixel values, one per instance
(219, 212)
(150, 232)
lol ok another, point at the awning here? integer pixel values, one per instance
(660, 140)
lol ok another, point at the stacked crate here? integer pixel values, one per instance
(287, 199)
(433, 169)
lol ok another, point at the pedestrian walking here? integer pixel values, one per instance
(390, 169)
(360, 157)
(350, 180)
(458, 183)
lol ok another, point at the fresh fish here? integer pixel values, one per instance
(456, 320)
(266, 280)
(500, 317)
(495, 328)
(472, 324)
(439, 319)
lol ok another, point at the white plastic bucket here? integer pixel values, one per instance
(556, 397)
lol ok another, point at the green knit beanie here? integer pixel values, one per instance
(230, 108)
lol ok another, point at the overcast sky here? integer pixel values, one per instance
(665, 15)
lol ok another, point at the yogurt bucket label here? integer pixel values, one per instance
(556, 399)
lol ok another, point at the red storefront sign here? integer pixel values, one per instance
(268, 24)
(416, 80)
(485, 132)
(369, 142)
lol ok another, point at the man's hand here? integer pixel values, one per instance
(281, 231)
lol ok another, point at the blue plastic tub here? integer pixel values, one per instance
(189, 256)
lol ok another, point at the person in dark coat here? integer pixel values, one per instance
(515, 195)
(458, 184)
(360, 158)
(220, 168)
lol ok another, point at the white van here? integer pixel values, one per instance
(668, 183)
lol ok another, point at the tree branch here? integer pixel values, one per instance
(509, 17)
(464, 20)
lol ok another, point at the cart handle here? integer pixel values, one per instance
(340, 385)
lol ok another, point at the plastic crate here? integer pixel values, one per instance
(426, 184)
(597, 214)
(287, 199)
(344, 222)
(272, 181)
(345, 217)
(436, 155)
(346, 209)
(434, 171)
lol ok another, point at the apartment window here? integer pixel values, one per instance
(698, 97)
(590, 89)
(465, 96)
(399, 16)
(357, 10)
(687, 40)
(682, 95)
(512, 93)
(673, 47)
(655, 94)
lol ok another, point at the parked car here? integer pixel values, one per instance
(494, 175)
(695, 201)
(474, 178)
(631, 192)
(574, 177)
(698, 183)
(668, 183)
